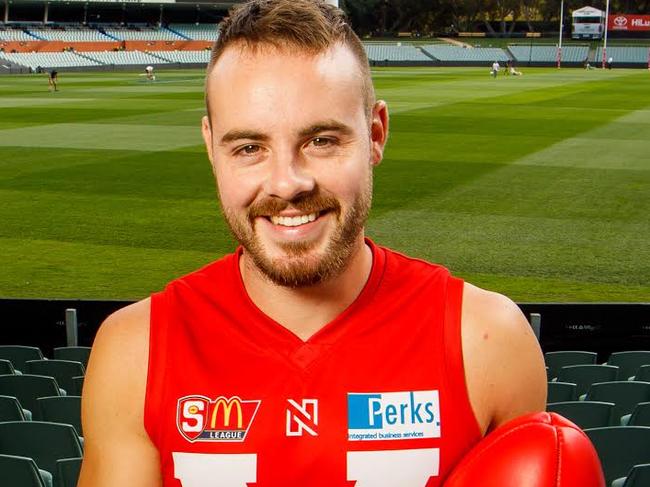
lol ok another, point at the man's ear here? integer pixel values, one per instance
(206, 131)
(378, 131)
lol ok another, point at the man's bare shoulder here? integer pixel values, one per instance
(120, 354)
(126, 324)
(504, 365)
(125, 329)
(491, 309)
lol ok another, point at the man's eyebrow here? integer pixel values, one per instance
(326, 126)
(233, 135)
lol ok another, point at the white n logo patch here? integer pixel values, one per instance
(302, 417)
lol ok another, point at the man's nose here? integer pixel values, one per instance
(288, 177)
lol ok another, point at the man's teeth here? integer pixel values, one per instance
(293, 221)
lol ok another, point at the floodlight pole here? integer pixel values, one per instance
(605, 38)
(559, 44)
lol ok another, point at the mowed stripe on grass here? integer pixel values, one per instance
(537, 186)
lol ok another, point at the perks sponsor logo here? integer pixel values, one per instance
(198, 418)
(393, 415)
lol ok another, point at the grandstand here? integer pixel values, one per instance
(134, 33)
(185, 57)
(48, 59)
(69, 34)
(123, 58)
(457, 54)
(545, 54)
(11, 34)
(207, 32)
(32, 40)
(626, 55)
(89, 59)
(395, 53)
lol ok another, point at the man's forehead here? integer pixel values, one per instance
(298, 87)
(337, 63)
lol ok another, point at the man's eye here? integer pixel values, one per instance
(321, 142)
(249, 149)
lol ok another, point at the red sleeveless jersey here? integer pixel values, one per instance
(376, 398)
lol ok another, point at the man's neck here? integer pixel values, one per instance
(305, 310)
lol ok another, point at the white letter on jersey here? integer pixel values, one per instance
(393, 468)
(190, 409)
(215, 470)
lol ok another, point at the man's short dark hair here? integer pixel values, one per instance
(309, 26)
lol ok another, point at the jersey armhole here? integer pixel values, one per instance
(157, 367)
(453, 350)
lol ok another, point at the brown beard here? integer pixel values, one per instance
(298, 269)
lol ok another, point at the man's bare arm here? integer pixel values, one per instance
(504, 365)
(117, 449)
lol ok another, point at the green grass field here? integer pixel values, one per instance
(537, 187)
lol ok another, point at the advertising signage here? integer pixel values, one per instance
(625, 22)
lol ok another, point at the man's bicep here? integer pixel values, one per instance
(521, 383)
(118, 450)
(120, 460)
(504, 364)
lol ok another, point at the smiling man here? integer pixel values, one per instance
(311, 356)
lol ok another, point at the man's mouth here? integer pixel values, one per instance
(294, 221)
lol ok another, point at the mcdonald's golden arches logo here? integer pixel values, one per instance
(200, 418)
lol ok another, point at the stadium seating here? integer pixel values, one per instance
(61, 409)
(6, 367)
(638, 476)
(11, 410)
(133, 33)
(393, 52)
(625, 54)
(19, 354)
(76, 354)
(44, 442)
(20, 471)
(640, 415)
(444, 52)
(67, 472)
(195, 57)
(9, 34)
(561, 392)
(70, 34)
(35, 60)
(200, 32)
(77, 385)
(585, 375)
(62, 370)
(548, 53)
(628, 362)
(624, 394)
(123, 57)
(556, 360)
(27, 388)
(642, 374)
(49, 60)
(620, 448)
(586, 414)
